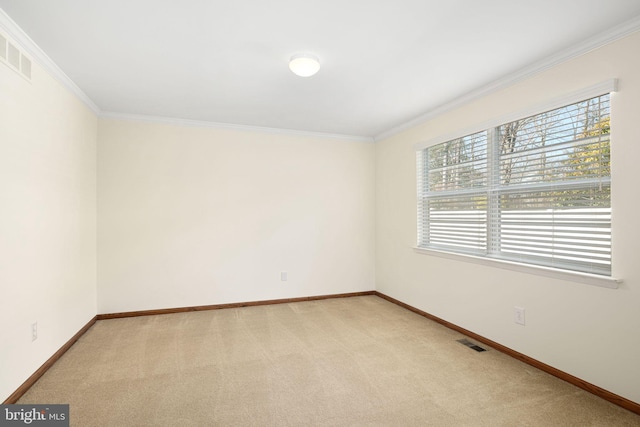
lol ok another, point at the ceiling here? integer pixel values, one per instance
(383, 62)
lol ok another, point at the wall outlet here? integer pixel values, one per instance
(518, 313)
(34, 331)
(283, 276)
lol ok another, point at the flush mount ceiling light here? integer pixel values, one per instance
(304, 64)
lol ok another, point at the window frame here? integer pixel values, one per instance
(608, 86)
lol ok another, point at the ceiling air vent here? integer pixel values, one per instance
(25, 66)
(14, 56)
(11, 55)
(3, 47)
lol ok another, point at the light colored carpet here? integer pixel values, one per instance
(359, 361)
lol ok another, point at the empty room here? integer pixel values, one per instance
(326, 213)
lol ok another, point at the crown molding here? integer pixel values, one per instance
(529, 71)
(13, 31)
(230, 126)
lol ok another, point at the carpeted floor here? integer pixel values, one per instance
(358, 361)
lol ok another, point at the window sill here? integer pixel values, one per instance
(556, 273)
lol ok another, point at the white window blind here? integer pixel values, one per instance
(534, 190)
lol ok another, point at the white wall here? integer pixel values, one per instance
(587, 331)
(195, 216)
(47, 221)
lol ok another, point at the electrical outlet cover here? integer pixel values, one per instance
(518, 315)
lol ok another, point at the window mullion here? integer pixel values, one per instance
(493, 197)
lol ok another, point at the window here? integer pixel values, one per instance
(534, 190)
